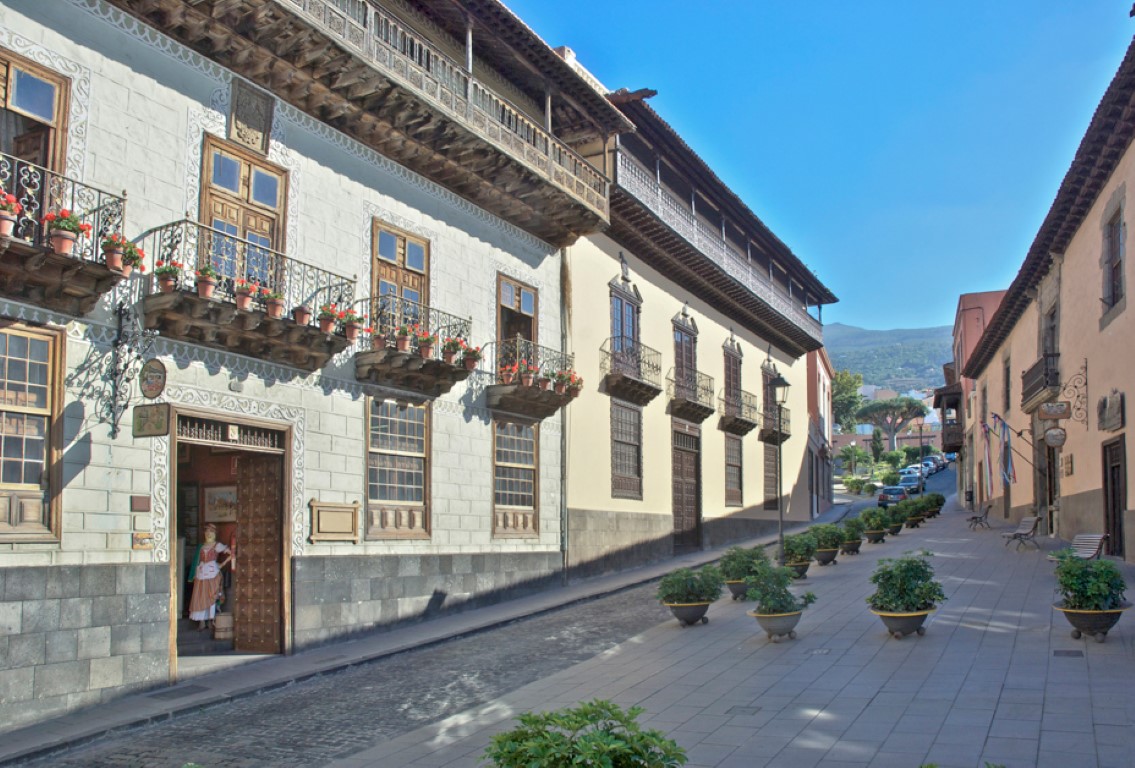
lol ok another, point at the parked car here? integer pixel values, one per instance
(914, 470)
(951, 457)
(912, 484)
(892, 494)
(931, 466)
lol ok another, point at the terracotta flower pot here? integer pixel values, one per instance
(574, 391)
(327, 325)
(206, 286)
(449, 356)
(351, 331)
(543, 382)
(275, 308)
(243, 301)
(127, 268)
(63, 242)
(402, 343)
(560, 388)
(471, 363)
(302, 315)
(426, 350)
(166, 283)
(7, 224)
(526, 379)
(506, 377)
(113, 258)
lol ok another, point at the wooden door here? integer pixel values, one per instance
(686, 494)
(401, 278)
(259, 578)
(1115, 494)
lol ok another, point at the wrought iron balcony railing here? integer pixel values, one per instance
(626, 356)
(383, 41)
(777, 418)
(740, 404)
(391, 314)
(677, 215)
(197, 245)
(1043, 376)
(515, 355)
(40, 191)
(692, 386)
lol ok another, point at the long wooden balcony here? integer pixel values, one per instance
(953, 437)
(521, 368)
(217, 321)
(691, 395)
(1041, 382)
(739, 412)
(776, 424)
(395, 355)
(673, 224)
(362, 70)
(30, 269)
(631, 371)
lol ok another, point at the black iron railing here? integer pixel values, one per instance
(777, 418)
(519, 355)
(39, 191)
(628, 357)
(1042, 376)
(693, 386)
(394, 316)
(740, 404)
(195, 246)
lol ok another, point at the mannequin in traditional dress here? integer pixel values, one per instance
(206, 577)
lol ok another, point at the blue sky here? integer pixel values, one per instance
(905, 151)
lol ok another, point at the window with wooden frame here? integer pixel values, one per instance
(732, 354)
(772, 492)
(1006, 386)
(685, 357)
(1113, 261)
(398, 470)
(243, 198)
(515, 487)
(626, 309)
(31, 382)
(33, 112)
(401, 275)
(733, 494)
(626, 451)
(517, 310)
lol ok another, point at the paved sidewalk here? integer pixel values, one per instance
(996, 678)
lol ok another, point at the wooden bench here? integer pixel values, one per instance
(1086, 546)
(982, 519)
(1025, 533)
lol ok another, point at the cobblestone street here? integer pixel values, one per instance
(331, 717)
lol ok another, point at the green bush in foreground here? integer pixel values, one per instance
(596, 733)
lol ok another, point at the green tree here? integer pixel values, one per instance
(846, 399)
(853, 456)
(877, 444)
(894, 458)
(892, 415)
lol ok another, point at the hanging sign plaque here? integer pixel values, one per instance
(1055, 437)
(1061, 409)
(151, 420)
(152, 378)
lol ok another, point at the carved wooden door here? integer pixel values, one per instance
(1115, 494)
(401, 279)
(685, 492)
(259, 581)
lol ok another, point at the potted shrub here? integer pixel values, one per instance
(737, 564)
(471, 357)
(798, 551)
(914, 513)
(896, 517)
(853, 529)
(905, 593)
(64, 228)
(244, 291)
(450, 348)
(168, 274)
(352, 323)
(875, 522)
(828, 538)
(273, 302)
(132, 257)
(778, 610)
(688, 593)
(594, 733)
(1092, 593)
(206, 281)
(113, 249)
(934, 502)
(328, 317)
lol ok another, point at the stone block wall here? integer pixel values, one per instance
(603, 542)
(75, 636)
(335, 597)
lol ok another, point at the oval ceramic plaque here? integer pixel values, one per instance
(152, 378)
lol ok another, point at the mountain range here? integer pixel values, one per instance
(899, 359)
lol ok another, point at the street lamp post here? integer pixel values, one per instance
(779, 385)
(921, 459)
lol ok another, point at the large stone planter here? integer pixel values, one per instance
(737, 589)
(800, 569)
(894, 530)
(778, 625)
(1094, 624)
(914, 521)
(852, 547)
(875, 537)
(899, 625)
(688, 614)
(826, 556)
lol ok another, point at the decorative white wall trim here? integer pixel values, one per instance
(201, 122)
(80, 78)
(235, 405)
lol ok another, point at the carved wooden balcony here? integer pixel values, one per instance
(523, 396)
(691, 395)
(30, 269)
(360, 69)
(394, 356)
(776, 424)
(1041, 382)
(631, 371)
(739, 412)
(217, 321)
(953, 437)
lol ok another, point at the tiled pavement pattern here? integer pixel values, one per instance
(991, 680)
(984, 684)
